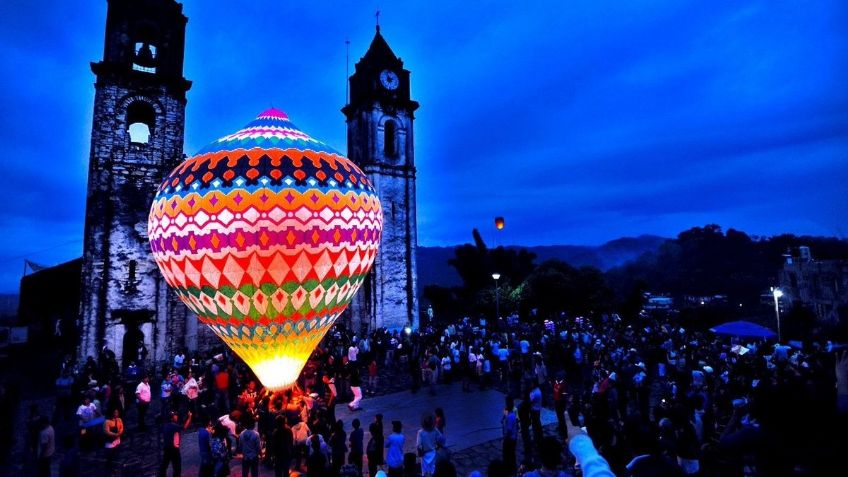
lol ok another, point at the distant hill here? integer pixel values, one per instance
(433, 268)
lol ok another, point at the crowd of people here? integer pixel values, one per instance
(645, 398)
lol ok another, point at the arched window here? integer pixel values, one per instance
(141, 118)
(389, 139)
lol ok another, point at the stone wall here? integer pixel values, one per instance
(122, 286)
(389, 298)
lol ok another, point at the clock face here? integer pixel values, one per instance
(389, 80)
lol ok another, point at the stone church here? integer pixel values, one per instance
(137, 138)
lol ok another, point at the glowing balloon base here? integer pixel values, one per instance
(278, 373)
(266, 235)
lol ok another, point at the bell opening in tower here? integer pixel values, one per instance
(145, 57)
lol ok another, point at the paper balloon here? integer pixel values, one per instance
(266, 235)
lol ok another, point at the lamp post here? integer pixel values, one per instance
(777, 293)
(496, 277)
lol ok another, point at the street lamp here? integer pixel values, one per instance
(496, 276)
(777, 294)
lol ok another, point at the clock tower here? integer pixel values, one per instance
(379, 116)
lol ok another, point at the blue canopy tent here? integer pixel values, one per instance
(743, 329)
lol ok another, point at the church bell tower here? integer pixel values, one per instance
(136, 139)
(379, 116)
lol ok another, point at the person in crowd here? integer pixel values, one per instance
(300, 435)
(143, 398)
(356, 439)
(338, 446)
(592, 464)
(113, 430)
(536, 412)
(509, 424)
(171, 439)
(221, 451)
(69, 466)
(439, 420)
(426, 445)
(86, 413)
(374, 450)
(372, 377)
(355, 381)
(46, 447)
(191, 390)
(282, 446)
(394, 454)
(204, 447)
(249, 447)
(524, 427)
(166, 390)
(316, 463)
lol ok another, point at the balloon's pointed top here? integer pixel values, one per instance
(273, 113)
(272, 129)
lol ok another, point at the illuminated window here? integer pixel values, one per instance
(389, 138)
(140, 121)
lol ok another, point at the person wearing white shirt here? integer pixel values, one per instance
(142, 393)
(179, 359)
(352, 353)
(86, 412)
(191, 391)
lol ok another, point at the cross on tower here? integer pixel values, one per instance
(377, 16)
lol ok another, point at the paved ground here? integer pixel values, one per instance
(473, 432)
(472, 417)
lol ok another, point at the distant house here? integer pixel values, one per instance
(49, 301)
(820, 285)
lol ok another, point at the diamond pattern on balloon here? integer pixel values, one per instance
(233, 271)
(241, 302)
(298, 298)
(192, 273)
(260, 302)
(224, 303)
(331, 293)
(278, 269)
(326, 214)
(251, 215)
(355, 261)
(323, 265)
(276, 214)
(255, 269)
(225, 216)
(279, 299)
(178, 274)
(341, 263)
(201, 218)
(211, 272)
(302, 267)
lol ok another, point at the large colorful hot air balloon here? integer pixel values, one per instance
(266, 235)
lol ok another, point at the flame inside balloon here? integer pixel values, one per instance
(266, 235)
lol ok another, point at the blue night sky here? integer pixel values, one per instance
(579, 122)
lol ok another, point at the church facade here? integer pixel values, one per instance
(138, 138)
